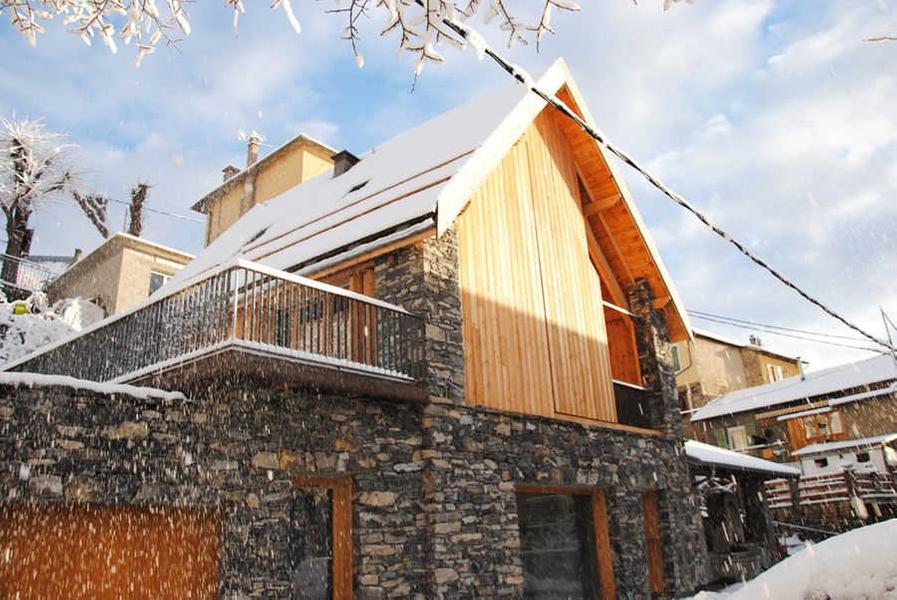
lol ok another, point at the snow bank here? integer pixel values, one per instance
(37, 380)
(857, 565)
(22, 334)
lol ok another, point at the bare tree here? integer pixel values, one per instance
(135, 210)
(35, 165)
(94, 207)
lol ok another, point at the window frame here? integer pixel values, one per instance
(165, 277)
(601, 532)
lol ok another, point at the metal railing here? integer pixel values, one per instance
(242, 303)
(26, 275)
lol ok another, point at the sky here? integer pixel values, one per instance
(772, 116)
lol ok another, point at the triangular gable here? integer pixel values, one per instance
(639, 259)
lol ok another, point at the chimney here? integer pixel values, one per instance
(800, 366)
(252, 149)
(78, 254)
(343, 161)
(229, 171)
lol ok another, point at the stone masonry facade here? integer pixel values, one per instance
(434, 503)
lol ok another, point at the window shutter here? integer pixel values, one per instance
(722, 440)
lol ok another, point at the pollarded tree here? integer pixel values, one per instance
(35, 165)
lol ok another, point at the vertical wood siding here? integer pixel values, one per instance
(535, 338)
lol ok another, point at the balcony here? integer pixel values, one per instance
(246, 320)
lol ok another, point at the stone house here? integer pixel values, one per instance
(846, 402)
(710, 365)
(120, 273)
(439, 370)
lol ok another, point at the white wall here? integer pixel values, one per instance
(838, 461)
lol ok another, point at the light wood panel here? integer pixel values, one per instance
(534, 333)
(94, 552)
(650, 506)
(573, 305)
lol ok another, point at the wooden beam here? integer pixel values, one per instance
(599, 205)
(661, 302)
(602, 546)
(604, 270)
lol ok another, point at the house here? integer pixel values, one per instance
(864, 455)
(119, 273)
(441, 369)
(849, 401)
(294, 163)
(711, 365)
(738, 526)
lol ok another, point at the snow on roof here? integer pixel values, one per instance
(815, 383)
(857, 443)
(712, 455)
(396, 183)
(40, 380)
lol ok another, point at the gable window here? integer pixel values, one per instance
(564, 543)
(157, 280)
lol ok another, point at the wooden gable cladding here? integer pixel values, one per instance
(535, 338)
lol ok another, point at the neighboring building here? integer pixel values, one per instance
(738, 527)
(470, 394)
(294, 163)
(120, 273)
(710, 365)
(865, 455)
(850, 401)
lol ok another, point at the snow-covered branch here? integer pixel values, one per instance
(34, 163)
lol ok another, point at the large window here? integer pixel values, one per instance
(564, 543)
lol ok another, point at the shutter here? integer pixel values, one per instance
(750, 429)
(722, 440)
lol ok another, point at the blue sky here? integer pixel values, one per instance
(773, 116)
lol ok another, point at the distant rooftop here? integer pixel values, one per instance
(733, 342)
(815, 383)
(866, 442)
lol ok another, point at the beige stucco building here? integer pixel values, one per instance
(295, 162)
(710, 365)
(121, 272)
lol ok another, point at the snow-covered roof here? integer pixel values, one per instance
(827, 447)
(815, 383)
(420, 179)
(721, 457)
(40, 380)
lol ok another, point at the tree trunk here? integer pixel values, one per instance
(18, 245)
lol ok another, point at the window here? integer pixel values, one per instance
(320, 537)
(863, 457)
(157, 280)
(821, 462)
(651, 511)
(738, 438)
(564, 544)
(677, 361)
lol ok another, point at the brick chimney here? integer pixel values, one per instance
(343, 161)
(252, 149)
(229, 171)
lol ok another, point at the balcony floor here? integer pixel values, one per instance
(235, 361)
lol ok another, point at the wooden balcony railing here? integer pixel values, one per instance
(833, 487)
(249, 306)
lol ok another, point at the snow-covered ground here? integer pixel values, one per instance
(40, 325)
(857, 565)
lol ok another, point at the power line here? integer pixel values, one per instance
(158, 211)
(791, 335)
(476, 40)
(700, 313)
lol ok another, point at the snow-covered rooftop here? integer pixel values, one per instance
(865, 442)
(721, 457)
(815, 383)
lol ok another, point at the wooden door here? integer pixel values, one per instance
(108, 553)
(650, 506)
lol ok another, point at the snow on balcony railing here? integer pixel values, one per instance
(241, 304)
(21, 274)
